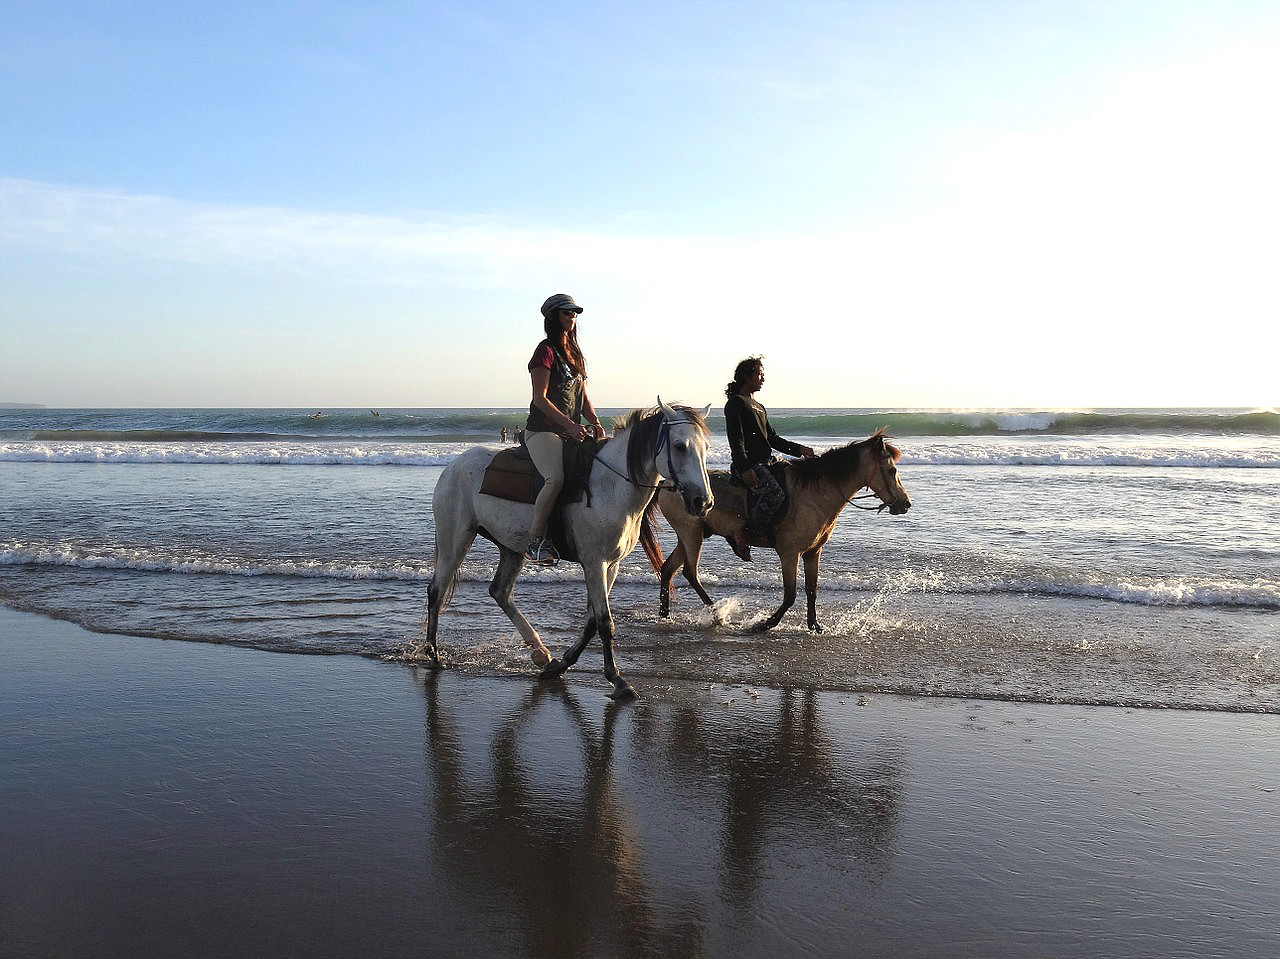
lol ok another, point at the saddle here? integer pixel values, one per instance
(512, 476)
(736, 499)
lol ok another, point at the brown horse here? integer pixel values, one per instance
(817, 490)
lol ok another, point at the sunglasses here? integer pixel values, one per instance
(568, 312)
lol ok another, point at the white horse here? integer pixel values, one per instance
(649, 447)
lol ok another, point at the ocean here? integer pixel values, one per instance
(1119, 557)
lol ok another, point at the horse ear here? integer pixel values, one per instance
(706, 412)
(664, 407)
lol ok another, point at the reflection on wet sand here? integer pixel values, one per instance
(781, 780)
(663, 827)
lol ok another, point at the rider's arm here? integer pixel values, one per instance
(786, 446)
(541, 377)
(590, 412)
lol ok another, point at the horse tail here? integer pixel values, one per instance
(648, 538)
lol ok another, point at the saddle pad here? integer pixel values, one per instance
(512, 476)
(730, 498)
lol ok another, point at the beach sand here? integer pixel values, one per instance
(186, 800)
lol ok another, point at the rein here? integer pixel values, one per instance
(870, 509)
(617, 472)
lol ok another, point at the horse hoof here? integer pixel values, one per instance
(815, 628)
(553, 670)
(624, 692)
(541, 657)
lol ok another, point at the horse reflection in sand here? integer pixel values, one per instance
(644, 826)
(564, 874)
(817, 490)
(650, 446)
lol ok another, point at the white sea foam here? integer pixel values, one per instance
(158, 561)
(233, 454)
(931, 452)
(1155, 591)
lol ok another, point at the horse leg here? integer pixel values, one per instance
(570, 656)
(451, 547)
(667, 573)
(789, 561)
(599, 578)
(502, 589)
(692, 554)
(811, 559)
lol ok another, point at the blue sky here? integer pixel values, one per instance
(899, 204)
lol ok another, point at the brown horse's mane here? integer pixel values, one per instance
(839, 462)
(644, 425)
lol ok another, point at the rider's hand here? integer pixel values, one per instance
(749, 477)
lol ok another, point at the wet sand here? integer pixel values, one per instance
(181, 799)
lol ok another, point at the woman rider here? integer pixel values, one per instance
(559, 374)
(751, 442)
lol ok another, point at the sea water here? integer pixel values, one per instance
(1109, 556)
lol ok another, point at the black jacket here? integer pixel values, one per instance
(751, 438)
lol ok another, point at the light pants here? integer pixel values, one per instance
(547, 452)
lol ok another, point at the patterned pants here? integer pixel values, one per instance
(767, 497)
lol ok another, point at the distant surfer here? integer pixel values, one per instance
(315, 416)
(374, 413)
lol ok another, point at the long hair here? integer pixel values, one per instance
(568, 342)
(741, 372)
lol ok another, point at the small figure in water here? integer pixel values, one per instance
(504, 434)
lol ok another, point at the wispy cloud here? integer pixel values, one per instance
(353, 248)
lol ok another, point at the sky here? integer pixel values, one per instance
(950, 204)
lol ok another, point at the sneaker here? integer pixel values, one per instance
(541, 551)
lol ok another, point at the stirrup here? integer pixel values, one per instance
(541, 551)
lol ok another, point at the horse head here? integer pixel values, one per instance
(884, 480)
(680, 455)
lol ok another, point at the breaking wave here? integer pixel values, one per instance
(1221, 593)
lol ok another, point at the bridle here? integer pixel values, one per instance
(664, 441)
(884, 478)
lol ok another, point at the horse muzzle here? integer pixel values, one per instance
(899, 506)
(698, 505)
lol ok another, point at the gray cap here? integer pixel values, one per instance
(559, 301)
